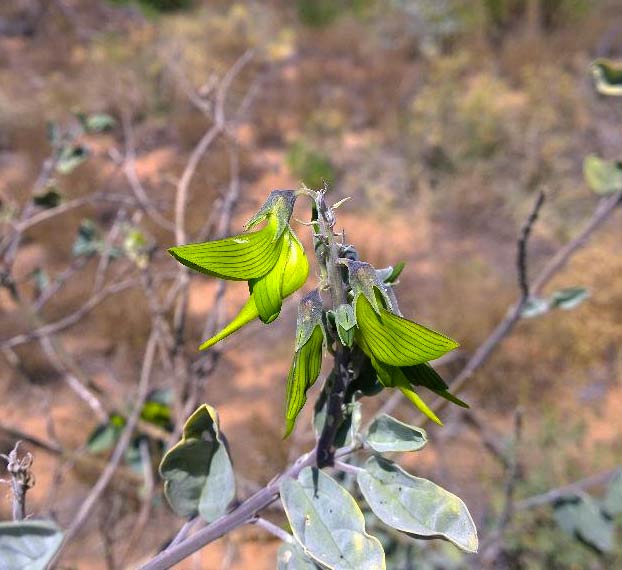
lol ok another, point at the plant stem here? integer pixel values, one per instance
(341, 378)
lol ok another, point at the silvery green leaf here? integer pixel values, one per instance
(291, 557)
(28, 545)
(581, 517)
(328, 524)
(71, 156)
(568, 298)
(612, 501)
(197, 471)
(602, 176)
(99, 122)
(416, 506)
(388, 434)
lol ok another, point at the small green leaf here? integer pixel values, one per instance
(602, 176)
(28, 545)
(394, 273)
(388, 434)
(292, 557)
(99, 122)
(241, 257)
(302, 375)
(328, 524)
(534, 307)
(607, 75)
(612, 501)
(197, 471)
(88, 241)
(104, 436)
(568, 298)
(582, 518)
(416, 506)
(71, 156)
(50, 198)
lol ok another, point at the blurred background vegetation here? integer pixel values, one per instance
(442, 119)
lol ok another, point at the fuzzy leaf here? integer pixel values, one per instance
(602, 176)
(388, 434)
(345, 320)
(302, 375)
(291, 557)
(197, 471)
(28, 545)
(328, 524)
(241, 257)
(397, 341)
(416, 506)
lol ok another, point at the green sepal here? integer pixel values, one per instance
(310, 310)
(397, 341)
(239, 258)
(279, 205)
(364, 281)
(302, 375)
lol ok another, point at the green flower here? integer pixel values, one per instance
(399, 349)
(271, 259)
(307, 357)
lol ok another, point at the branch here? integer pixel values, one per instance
(603, 211)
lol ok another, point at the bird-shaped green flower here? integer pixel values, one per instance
(271, 259)
(398, 349)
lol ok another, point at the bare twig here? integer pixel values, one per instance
(521, 259)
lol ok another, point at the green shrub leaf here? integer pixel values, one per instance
(607, 75)
(602, 176)
(416, 506)
(388, 434)
(612, 501)
(534, 307)
(582, 518)
(328, 524)
(197, 471)
(28, 545)
(568, 298)
(71, 156)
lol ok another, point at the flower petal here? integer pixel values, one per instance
(267, 290)
(397, 341)
(244, 256)
(248, 313)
